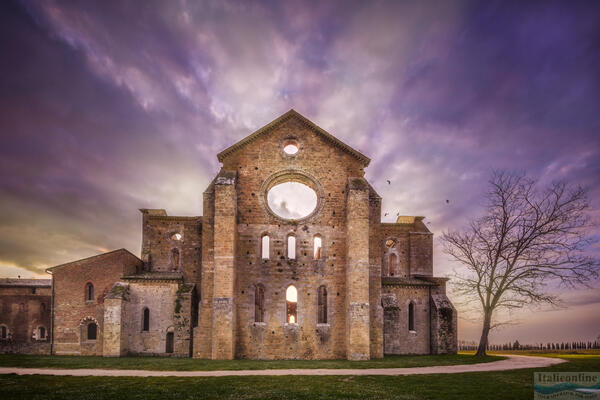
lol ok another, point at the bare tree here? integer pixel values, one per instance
(527, 238)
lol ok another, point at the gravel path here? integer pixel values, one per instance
(513, 362)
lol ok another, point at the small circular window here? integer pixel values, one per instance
(290, 147)
(292, 200)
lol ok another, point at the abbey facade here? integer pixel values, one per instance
(246, 280)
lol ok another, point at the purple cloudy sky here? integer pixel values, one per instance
(107, 107)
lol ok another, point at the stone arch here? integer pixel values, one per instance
(292, 175)
(265, 246)
(145, 319)
(41, 333)
(175, 259)
(4, 332)
(391, 258)
(88, 293)
(411, 316)
(89, 329)
(317, 246)
(290, 244)
(170, 340)
(291, 304)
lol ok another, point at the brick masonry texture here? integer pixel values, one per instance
(198, 276)
(25, 307)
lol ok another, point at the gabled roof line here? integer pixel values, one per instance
(48, 270)
(308, 123)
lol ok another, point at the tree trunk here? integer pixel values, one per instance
(483, 342)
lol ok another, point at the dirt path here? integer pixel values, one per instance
(513, 362)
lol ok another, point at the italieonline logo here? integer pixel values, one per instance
(566, 385)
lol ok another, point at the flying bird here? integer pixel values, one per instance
(385, 214)
(447, 201)
(389, 182)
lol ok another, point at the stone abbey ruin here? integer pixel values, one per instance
(252, 277)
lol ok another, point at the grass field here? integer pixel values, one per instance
(479, 385)
(190, 364)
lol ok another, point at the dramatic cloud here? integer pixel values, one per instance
(109, 107)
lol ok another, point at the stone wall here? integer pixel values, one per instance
(169, 312)
(398, 339)
(25, 307)
(198, 276)
(444, 333)
(260, 165)
(163, 234)
(72, 312)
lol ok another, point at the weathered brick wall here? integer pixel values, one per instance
(444, 333)
(116, 321)
(399, 233)
(23, 310)
(202, 344)
(158, 243)
(358, 340)
(260, 165)
(397, 337)
(71, 308)
(165, 304)
(421, 253)
(375, 261)
(274, 338)
(225, 243)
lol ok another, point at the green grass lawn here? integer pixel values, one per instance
(478, 385)
(190, 364)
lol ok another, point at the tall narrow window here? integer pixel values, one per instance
(92, 331)
(265, 247)
(3, 332)
(291, 247)
(291, 301)
(146, 320)
(175, 259)
(411, 316)
(89, 292)
(317, 247)
(259, 304)
(393, 261)
(43, 307)
(322, 305)
(41, 333)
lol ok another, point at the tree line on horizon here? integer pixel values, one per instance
(575, 345)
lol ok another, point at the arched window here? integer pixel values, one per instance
(291, 300)
(322, 305)
(3, 332)
(146, 320)
(411, 316)
(317, 244)
(92, 331)
(175, 259)
(41, 333)
(291, 247)
(265, 247)
(392, 264)
(89, 292)
(259, 303)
